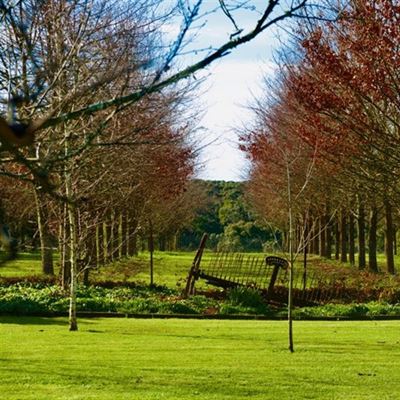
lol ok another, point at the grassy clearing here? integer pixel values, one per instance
(170, 268)
(27, 264)
(186, 359)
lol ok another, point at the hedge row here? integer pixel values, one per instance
(29, 298)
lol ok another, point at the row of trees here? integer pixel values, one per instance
(94, 102)
(325, 144)
(90, 183)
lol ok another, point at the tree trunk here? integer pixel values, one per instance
(132, 238)
(46, 248)
(316, 233)
(389, 237)
(305, 266)
(323, 231)
(328, 251)
(343, 237)
(99, 244)
(351, 240)
(109, 239)
(65, 251)
(115, 235)
(162, 243)
(361, 237)
(151, 250)
(90, 261)
(123, 235)
(73, 324)
(105, 242)
(337, 240)
(291, 262)
(372, 242)
(73, 248)
(285, 244)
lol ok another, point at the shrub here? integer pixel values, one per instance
(247, 300)
(243, 296)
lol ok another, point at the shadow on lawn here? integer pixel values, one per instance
(32, 320)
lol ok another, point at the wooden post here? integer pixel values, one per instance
(277, 263)
(192, 277)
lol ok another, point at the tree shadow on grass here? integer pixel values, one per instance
(33, 320)
(22, 320)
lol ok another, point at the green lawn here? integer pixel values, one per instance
(27, 264)
(170, 268)
(187, 359)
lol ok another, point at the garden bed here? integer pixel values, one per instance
(137, 300)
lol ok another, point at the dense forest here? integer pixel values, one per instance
(228, 218)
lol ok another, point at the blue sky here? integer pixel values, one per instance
(230, 85)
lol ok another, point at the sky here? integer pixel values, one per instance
(231, 85)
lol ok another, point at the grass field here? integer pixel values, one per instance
(187, 359)
(27, 264)
(170, 268)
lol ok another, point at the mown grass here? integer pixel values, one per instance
(186, 359)
(170, 268)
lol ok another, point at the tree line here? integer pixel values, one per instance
(325, 138)
(93, 103)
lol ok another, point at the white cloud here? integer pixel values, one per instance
(232, 86)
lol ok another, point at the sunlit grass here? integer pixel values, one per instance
(170, 268)
(185, 359)
(27, 264)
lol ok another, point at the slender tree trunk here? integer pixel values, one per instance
(372, 241)
(305, 251)
(316, 236)
(389, 237)
(110, 238)
(73, 324)
(311, 249)
(323, 231)
(113, 238)
(44, 233)
(291, 261)
(71, 214)
(123, 236)
(162, 243)
(132, 239)
(286, 242)
(343, 237)
(73, 247)
(115, 234)
(395, 241)
(99, 244)
(328, 237)
(91, 258)
(361, 236)
(352, 240)
(151, 250)
(337, 240)
(66, 253)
